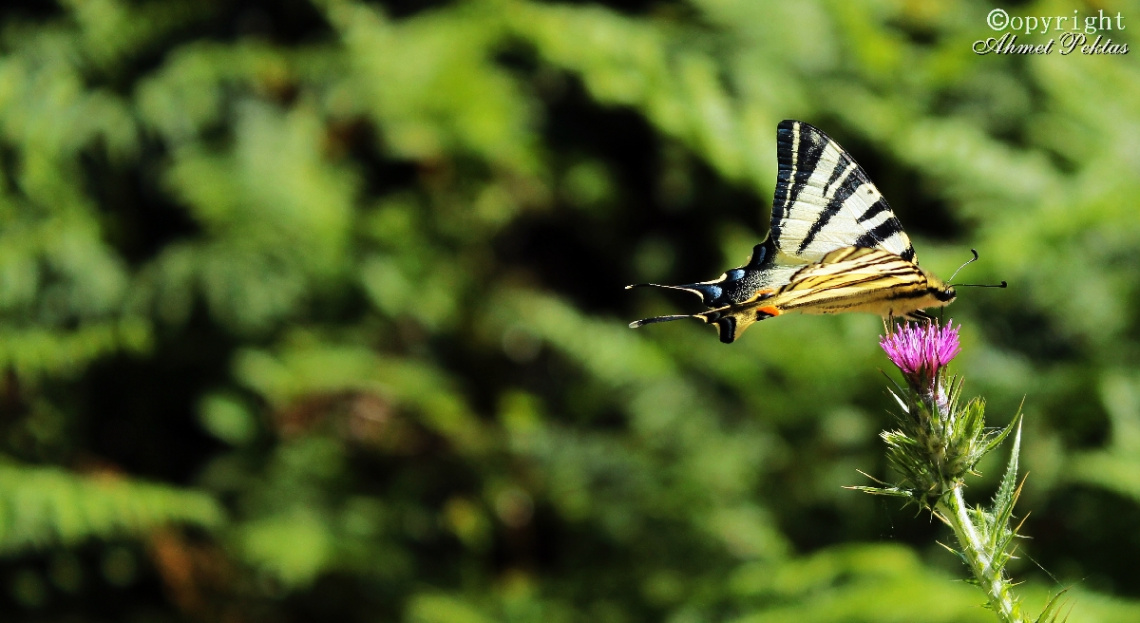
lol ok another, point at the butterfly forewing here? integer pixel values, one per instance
(824, 200)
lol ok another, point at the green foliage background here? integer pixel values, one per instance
(314, 309)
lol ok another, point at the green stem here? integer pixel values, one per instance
(953, 510)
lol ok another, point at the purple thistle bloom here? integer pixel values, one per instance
(920, 350)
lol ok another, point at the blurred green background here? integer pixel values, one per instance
(314, 310)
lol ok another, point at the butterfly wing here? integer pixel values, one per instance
(825, 201)
(857, 279)
(851, 279)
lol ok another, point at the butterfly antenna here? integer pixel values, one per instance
(967, 263)
(1003, 284)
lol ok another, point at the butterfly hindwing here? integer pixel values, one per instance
(855, 279)
(852, 279)
(740, 283)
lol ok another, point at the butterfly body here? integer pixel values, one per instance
(835, 247)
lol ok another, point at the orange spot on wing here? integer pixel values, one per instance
(770, 310)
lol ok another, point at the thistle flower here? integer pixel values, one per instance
(921, 351)
(936, 445)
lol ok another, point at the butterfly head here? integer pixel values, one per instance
(938, 292)
(943, 292)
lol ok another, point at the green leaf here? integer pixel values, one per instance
(44, 507)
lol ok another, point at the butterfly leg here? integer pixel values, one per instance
(919, 315)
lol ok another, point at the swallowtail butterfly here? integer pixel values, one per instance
(835, 246)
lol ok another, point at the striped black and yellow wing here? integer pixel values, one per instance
(825, 201)
(827, 216)
(852, 279)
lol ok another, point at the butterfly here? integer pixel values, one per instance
(835, 246)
